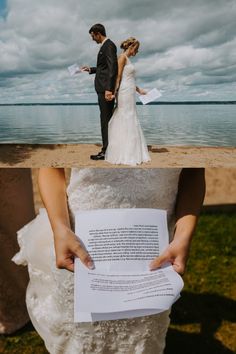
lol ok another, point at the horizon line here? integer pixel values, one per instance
(96, 103)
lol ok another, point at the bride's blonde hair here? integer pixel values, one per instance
(130, 42)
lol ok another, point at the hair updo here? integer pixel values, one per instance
(131, 41)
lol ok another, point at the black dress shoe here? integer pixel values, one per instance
(100, 156)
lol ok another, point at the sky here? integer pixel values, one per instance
(188, 47)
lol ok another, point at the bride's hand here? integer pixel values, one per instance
(176, 254)
(67, 247)
(142, 91)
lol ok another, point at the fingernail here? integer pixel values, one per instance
(151, 266)
(90, 265)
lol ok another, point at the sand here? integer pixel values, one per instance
(78, 155)
(220, 189)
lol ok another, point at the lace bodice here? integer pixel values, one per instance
(50, 291)
(124, 188)
(128, 76)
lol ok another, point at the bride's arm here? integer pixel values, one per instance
(141, 91)
(191, 192)
(52, 186)
(121, 65)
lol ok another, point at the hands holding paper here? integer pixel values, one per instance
(150, 96)
(85, 68)
(52, 186)
(75, 69)
(176, 254)
(190, 197)
(141, 91)
(67, 247)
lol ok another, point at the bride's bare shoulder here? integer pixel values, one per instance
(122, 58)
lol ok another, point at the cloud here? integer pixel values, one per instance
(185, 45)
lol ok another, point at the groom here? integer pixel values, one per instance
(105, 80)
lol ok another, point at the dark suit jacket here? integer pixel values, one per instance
(107, 68)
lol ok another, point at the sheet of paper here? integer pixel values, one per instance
(151, 96)
(122, 242)
(125, 295)
(74, 69)
(113, 236)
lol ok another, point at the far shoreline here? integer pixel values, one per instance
(137, 103)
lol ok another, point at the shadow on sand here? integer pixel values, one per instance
(12, 154)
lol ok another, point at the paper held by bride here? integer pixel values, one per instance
(122, 243)
(151, 96)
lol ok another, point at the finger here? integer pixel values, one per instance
(70, 267)
(83, 255)
(65, 263)
(158, 262)
(68, 264)
(179, 267)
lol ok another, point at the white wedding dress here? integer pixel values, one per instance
(126, 143)
(50, 291)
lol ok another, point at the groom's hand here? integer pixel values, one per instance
(67, 247)
(85, 68)
(109, 95)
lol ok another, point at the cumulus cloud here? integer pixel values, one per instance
(188, 48)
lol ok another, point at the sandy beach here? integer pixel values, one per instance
(220, 188)
(78, 155)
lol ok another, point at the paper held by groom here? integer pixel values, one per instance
(75, 69)
(122, 242)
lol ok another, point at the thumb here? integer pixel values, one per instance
(159, 261)
(70, 266)
(83, 255)
(179, 265)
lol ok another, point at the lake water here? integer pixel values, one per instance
(185, 124)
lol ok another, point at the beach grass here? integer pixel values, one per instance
(204, 319)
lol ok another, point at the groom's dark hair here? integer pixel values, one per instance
(98, 28)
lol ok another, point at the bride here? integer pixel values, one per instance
(126, 143)
(50, 291)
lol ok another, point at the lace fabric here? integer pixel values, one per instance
(50, 291)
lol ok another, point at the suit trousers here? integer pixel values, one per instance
(106, 111)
